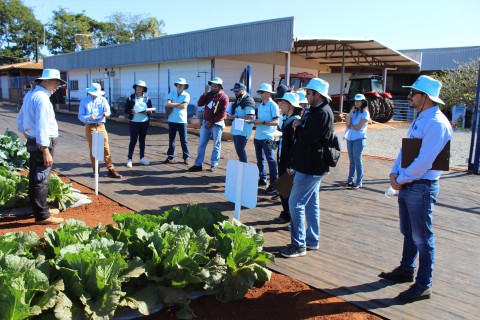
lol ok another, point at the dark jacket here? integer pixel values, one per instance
(130, 104)
(310, 137)
(285, 149)
(245, 101)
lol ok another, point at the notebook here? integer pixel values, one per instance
(411, 149)
(284, 184)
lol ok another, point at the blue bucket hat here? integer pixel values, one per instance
(216, 81)
(182, 81)
(319, 85)
(431, 87)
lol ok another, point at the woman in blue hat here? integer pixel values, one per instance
(356, 136)
(136, 107)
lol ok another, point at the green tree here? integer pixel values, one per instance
(63, 28)
(18, 30)
(124, 27)
(460, 84)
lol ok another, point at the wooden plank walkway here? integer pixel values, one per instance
(359, 229)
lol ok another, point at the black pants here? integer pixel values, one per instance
(39, 178)
(138, 131)
(286, 211)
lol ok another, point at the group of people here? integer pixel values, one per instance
(306, 124)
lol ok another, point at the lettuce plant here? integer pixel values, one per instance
(13, 153)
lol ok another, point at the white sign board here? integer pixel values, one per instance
(98, 153)
(241, 185)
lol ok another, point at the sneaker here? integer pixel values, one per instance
(112, 173)
(293, 251)
(262, 182)
(289, 227)
(185, 162)
(167, 161)
(195, 168)
(129, 163)
(271, 191)
(399, 275)
(93, 174)
(415, 293)
(310, 247)
(212, 169)
(348, 185)
(144, 161)
(356, 187)
(49, 221)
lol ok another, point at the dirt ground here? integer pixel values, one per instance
(281, 298)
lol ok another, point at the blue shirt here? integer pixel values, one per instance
(37, 118)
(97, 106)
(178, 115)
(266, 112)
(140, 106)
(435, 131)
(356, 117)
(247, 127)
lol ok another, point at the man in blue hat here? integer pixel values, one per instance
(36, 120)
(243, 108)
(311, 133)
(215, 103)
(418, 190)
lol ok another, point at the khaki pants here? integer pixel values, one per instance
(89, 129)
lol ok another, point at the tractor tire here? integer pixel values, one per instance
(374, 107)
(388, 107)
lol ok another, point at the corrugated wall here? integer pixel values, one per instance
(256, 37)
(443, 58)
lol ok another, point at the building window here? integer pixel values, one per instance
(73, 85)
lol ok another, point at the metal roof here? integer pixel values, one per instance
(31, 65)
(247, 38)
(436, 59)
(358, 53)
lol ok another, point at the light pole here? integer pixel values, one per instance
(204, 77)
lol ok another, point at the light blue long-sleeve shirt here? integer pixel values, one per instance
(37, 118)
(97, 106)
(435, 131)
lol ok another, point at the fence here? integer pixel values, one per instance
(402, 112)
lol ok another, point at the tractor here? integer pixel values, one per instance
(380, 104)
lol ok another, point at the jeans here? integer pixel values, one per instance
(38, 181)
(216, 131)
(89, 129)
(355, 151)
(415, 202)
(261, 151)
(305, 204)
(138, 131)
(173, 127)
(240, 142)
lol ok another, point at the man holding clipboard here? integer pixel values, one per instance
(418, 188)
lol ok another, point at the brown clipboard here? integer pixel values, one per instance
(284, 184)
(411, 149)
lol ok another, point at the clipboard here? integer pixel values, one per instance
(411, 149)
(284, 184)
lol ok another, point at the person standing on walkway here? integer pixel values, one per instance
(177, 103)
(356, 136)
(243, 108)
(291, 110)
(93, 110)
(263, 139)
(215, 103)
(136, 107)
(419, 187)
(312, 133)
(37, 122)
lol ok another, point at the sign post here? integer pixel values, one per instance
(98, 153)
(241, 185)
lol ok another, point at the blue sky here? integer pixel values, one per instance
(406, 24)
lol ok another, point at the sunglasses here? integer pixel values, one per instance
(413, 93)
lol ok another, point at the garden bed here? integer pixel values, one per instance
(280, 298)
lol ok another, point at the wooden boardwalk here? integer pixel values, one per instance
(359, 229)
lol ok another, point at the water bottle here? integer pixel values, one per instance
(390, 192)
